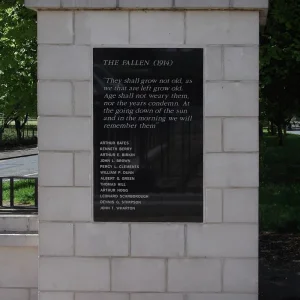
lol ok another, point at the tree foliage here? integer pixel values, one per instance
(18, 56)
(280, 63)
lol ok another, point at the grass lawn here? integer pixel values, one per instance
(280, 184)
(23, 192)
(29, 122)
(282, 164)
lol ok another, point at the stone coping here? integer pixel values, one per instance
(261, 5)
(18, 223)
(13, 239)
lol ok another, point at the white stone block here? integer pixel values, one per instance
(213, 63)
(145, 3)
(138, 275)
(231, 99)
(222, 27)
(73, 274)
(13, 223)
(101, 27)
(250, 3)
(55, 27)
(240, 275)
(213, 206)
(55, 169)
(101, 296)
(33, 223)
(2, 224)
(65, 204)
(89, 3)
(14, 294)
(221, 297)
(18, 240)
(83, 169)
(157, 240)
(43, 3)
(263, 17)
(63, 134)
(213, 135)
(55, 98)
(241, 63)
(56, 239)
(194, 275)
(240, 205)
(222, 240)
(56, 296)
(64, 62)
(15, 259)
(83, 98)
(156, 27)
(202, 4)
(157, 296)
(231, 170)
(102, 239)
(33, 294)
(241, 134)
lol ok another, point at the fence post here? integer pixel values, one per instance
(11, 180)
(1, 192)
(36, 192)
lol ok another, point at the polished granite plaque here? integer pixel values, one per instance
(148, 134)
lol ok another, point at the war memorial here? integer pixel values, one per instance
(148, 149)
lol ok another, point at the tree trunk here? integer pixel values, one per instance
(18, 129)
(272, 128)
(269, 127)
(284, 130)
(20, 126)
(280, 135)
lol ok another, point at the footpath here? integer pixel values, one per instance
(15, 153)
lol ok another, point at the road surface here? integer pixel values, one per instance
(22, 166)
(294, 132)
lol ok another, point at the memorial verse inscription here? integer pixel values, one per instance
(148, 134)
(132, 107)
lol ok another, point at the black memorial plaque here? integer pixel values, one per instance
(148, 134)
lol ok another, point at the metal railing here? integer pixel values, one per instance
(13, 197)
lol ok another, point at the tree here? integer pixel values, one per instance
(18, 57)
(280, 64)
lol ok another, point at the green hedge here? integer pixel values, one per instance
(9, 137)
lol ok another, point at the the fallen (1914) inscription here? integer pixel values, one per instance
(148, 134)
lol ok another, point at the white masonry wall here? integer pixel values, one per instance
(82, 260)
(18, 257)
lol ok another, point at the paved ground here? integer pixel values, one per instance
(19, 162)
(279, 266)
(277, 284)
(22, 166)
(5, 154)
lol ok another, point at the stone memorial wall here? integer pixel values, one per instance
(148, 140)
